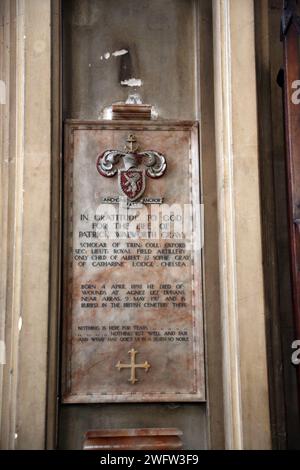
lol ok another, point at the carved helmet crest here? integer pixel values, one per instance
(137, 165)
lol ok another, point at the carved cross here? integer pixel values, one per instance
(133, 366)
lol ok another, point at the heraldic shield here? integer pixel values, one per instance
(132, 183)
(132, 180)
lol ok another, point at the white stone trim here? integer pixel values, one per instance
(26, 211)
(246, 406)
(226, 208)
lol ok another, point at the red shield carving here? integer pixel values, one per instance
(132, 183)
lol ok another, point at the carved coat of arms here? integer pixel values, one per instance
(132, 178)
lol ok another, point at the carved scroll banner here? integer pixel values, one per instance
(132, 295)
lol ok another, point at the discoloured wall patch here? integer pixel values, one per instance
(108, 55)
(134, 82)
(2, 92)
(120, 52)
(2, 353)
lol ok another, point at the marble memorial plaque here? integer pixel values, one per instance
(133, 313)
